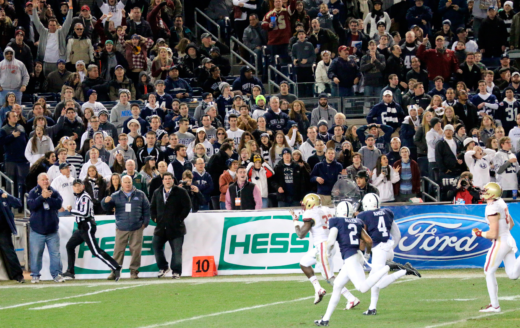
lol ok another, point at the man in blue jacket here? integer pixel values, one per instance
(176, 87)
(7, 227)
(132, 212)
(382, 142)
(344, 72)
(326, 174)
(386, 112)
(275, 118)
(203, 181)
(44, 203)
(247, 81)
(420, 15)
(14, 140)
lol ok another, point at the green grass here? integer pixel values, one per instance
(413, 303)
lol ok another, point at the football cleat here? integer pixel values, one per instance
(490, 308)
(353, 304)
(319, 295)
(321, 323)
(394, 266)
(370, 312)
(411, 271)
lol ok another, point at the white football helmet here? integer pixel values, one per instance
(345, 210)
(371, 202)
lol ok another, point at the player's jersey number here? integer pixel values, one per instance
(353, 234)
(381, 226)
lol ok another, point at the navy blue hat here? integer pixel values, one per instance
(90, 92)
(230, 161)
(286, 150)
(77, 181)
(63, 165)
(60, 61)
(323, 95)
(504, 55)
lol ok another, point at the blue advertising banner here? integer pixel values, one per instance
(439, 236)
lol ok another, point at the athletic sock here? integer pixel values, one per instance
(334, 300)
(384, 282)
(374, 297)
(314, 281)
(348, 295)
(492, 286)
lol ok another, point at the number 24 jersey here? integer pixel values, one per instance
(378, 223)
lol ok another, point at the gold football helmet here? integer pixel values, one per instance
(310, 200)
(491, 190)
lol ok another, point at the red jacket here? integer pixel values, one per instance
(416, 177)
(438, 64)
(282, 31)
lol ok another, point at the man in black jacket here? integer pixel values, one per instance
(217, 164)
(471, 73)
(446, 150)
(138, 25)
(364, 187)
(291, 181)
(466, 111)
(170, 207)
(395, 65)
(242, 194)
(22, 52)
(7, 227)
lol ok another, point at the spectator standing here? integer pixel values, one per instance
(344, 72)
(242, 194)
(8, 227)
(373, 65)
(492, 37)
(132, 214)
(417, 73)
(470, 73)
(304, 57)
(277, 23)
(14, 76)
(479, 13)
(203, 181)
(370, 153)
(326, 174)
(170, 207)
(446, 155)
(455, 11)
(409, 184)
(466, 111)
(284, 93)
(323, 112)
(114, 8)
(227, 178)
(44, 203)
(321, 73)
(387, 112)
(418, 97)
(63, 185)
(323, 39)
(433, 136)
(79, 47)
(440, 61)
(38, 145)
(52, 44)
(275, 118)
(421, 16)
(479, 164)
(290, 180)
(507, 165)
(384, 176)
(255, 38)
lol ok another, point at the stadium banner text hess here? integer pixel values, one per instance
(264, 242)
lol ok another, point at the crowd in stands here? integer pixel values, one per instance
(127, 74)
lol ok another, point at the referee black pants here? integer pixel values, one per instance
(87, 233)
(176, 246)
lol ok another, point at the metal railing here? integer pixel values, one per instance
(434, 185)
(271, 82)
(234, 54)
(25, 209)
(7, 179)
(200, 26)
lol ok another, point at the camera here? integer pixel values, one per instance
(464, 183)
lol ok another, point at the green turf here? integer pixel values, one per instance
(416, 303)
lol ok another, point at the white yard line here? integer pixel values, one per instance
(60, 305)
(471, 318)
(67, 298)
(171, 323)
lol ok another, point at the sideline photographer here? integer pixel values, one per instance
(465, 192)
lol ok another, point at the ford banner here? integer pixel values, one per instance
(439, 236)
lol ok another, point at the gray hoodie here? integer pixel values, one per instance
(13, 74)
(119, 114)
(303, 50)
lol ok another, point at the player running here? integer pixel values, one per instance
(84, 212)
(504, 245)
(349, 232)
(315, 220)
(380, 226)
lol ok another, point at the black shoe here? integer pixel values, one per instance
(411, 271)
(20, 279)
(117, 274)
(68, 276)
(321, 323)
(370, 312)
(394, 266)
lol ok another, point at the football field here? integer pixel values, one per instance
(441, 298)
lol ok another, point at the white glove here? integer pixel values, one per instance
(367, 256)
(361, 258)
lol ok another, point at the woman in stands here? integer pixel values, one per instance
(198, 152)
(87, 144)
(299, 115)
(322, 79)
(138, 144)
(352, 137)
(109, 143)
(115, 183)
(221, 136)
(298, 158)
(420, 136)
(119, 162)
(462, 86)
(245, 157)
(253, 148)
(42, 165)
(38, 145)
(383, 178)
(49, 131)
(161, 65)
(450, 117)
(346, 155)
(89, 112)
(284, 106)
(294, 137)
(245, 138)
(149, 170)
(275, 153)
(499, 133)
(487, 128)
(180, 48)
(10, 100)
(436, 106)
(81, 69)
(74, 81)
(73, 157)
(21, 119)
(265, 146)
(96, 187)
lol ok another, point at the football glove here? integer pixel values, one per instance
(476, 232)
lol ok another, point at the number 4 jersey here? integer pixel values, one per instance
(349, 234)
(378, 223)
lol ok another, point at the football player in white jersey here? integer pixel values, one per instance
(504, 245)
(315, 220)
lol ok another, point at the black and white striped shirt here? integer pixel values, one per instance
(84, 208)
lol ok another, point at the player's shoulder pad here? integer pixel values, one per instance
(334, 222)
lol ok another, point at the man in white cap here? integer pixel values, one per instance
(446, 152)
(387, 112)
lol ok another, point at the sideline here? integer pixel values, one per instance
(471, 318)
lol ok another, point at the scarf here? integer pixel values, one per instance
(137, 50)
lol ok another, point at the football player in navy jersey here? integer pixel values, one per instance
(380, 225)
(349, 232)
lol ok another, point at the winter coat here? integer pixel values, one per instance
(390, 114)
(416, 177)
(204, 182)
(215, 167)
(329, 172)
(170, 215)
(259, 177)
(98, 209)
(277, 122)
(492, 35)
(345, 70)
(14, 147)
(446, 160)
(5, 210)
(301, 184)
(114, 86)
(385, 185)
(438, 64)
(373, 73)
(134, 219)
(44, 221)
(13, 74)
(42, 146)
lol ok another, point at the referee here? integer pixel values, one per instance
(84, 212)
